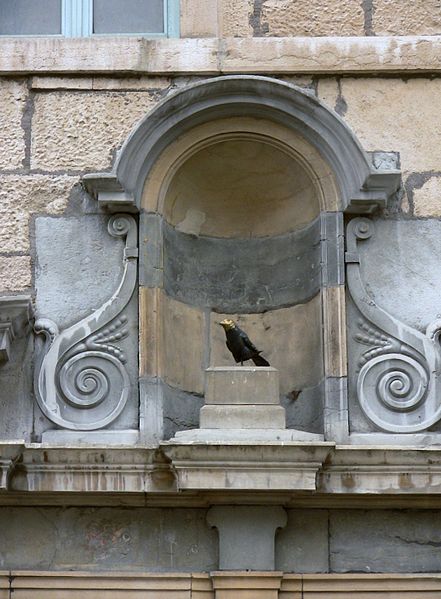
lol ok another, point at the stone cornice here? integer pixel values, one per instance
(212, 56)
(179, 474)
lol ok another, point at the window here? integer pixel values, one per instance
(80, 18)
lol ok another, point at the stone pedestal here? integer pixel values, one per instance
(242, 398)
(242, 404)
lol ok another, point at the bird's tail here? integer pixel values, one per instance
(259, 361)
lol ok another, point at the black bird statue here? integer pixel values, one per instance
(240, 345)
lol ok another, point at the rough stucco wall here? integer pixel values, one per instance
(405, 17)
(291, 18)
(311, 18)
(74, 130)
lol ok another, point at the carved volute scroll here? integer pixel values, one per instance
(81, 382)
(398, 379)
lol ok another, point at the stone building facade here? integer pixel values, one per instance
(272, 161)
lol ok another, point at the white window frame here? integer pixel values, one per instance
(77, 21)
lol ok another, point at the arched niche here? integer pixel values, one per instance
(195, 167)
(236, 207)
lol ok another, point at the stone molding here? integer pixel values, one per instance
(195, 585)
(363, 188)
(15, 314)
(242, 466)
(290, 55)
(398, 374)
(195, 474)
(81, 369)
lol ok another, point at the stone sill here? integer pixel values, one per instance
(213, 56)
(203, 474)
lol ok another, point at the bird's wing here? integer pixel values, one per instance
(247, 341)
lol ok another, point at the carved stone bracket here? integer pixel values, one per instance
(81, 382)
(15, 314)
(10, 453)
(398, 384)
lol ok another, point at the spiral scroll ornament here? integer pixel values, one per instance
(82, 381)
(391, 386)
(396, 386)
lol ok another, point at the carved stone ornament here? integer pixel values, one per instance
(81, 382)
(398, 384)
(15, 315)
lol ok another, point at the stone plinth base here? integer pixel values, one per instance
(243, 417)
(242, 397)
(245, 436)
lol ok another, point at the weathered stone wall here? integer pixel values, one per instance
(54, 130)
(57, 128)
(173, 540)
(279, 18)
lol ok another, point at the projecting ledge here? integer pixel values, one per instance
(247, 466)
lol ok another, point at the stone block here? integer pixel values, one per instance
(79, 266)
(290, 339)
(302, 545)
(427, 198)
(254, 274)
(385, 541)
(282, 18)
(180, 410)
(334, 316)
(82, 130)
(13, 96)
(116, 539)
(99, 83)
(22, 196)
(247, 585)
(246, 535)
(234, 18)
(328, 91)
(181, 352)
(15, 273)
(199, 18)
(407, 125)
(394, 17)
(241, 385)
(242, 417)
(403, 256)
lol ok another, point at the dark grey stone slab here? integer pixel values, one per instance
(94, 539)
(385, 541)
(333, 244)
(302, 546)
(180, 410)
(243, 275)
(304, 411)
(150, 246)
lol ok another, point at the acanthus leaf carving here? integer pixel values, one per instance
(81, 382)
(397, 381)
